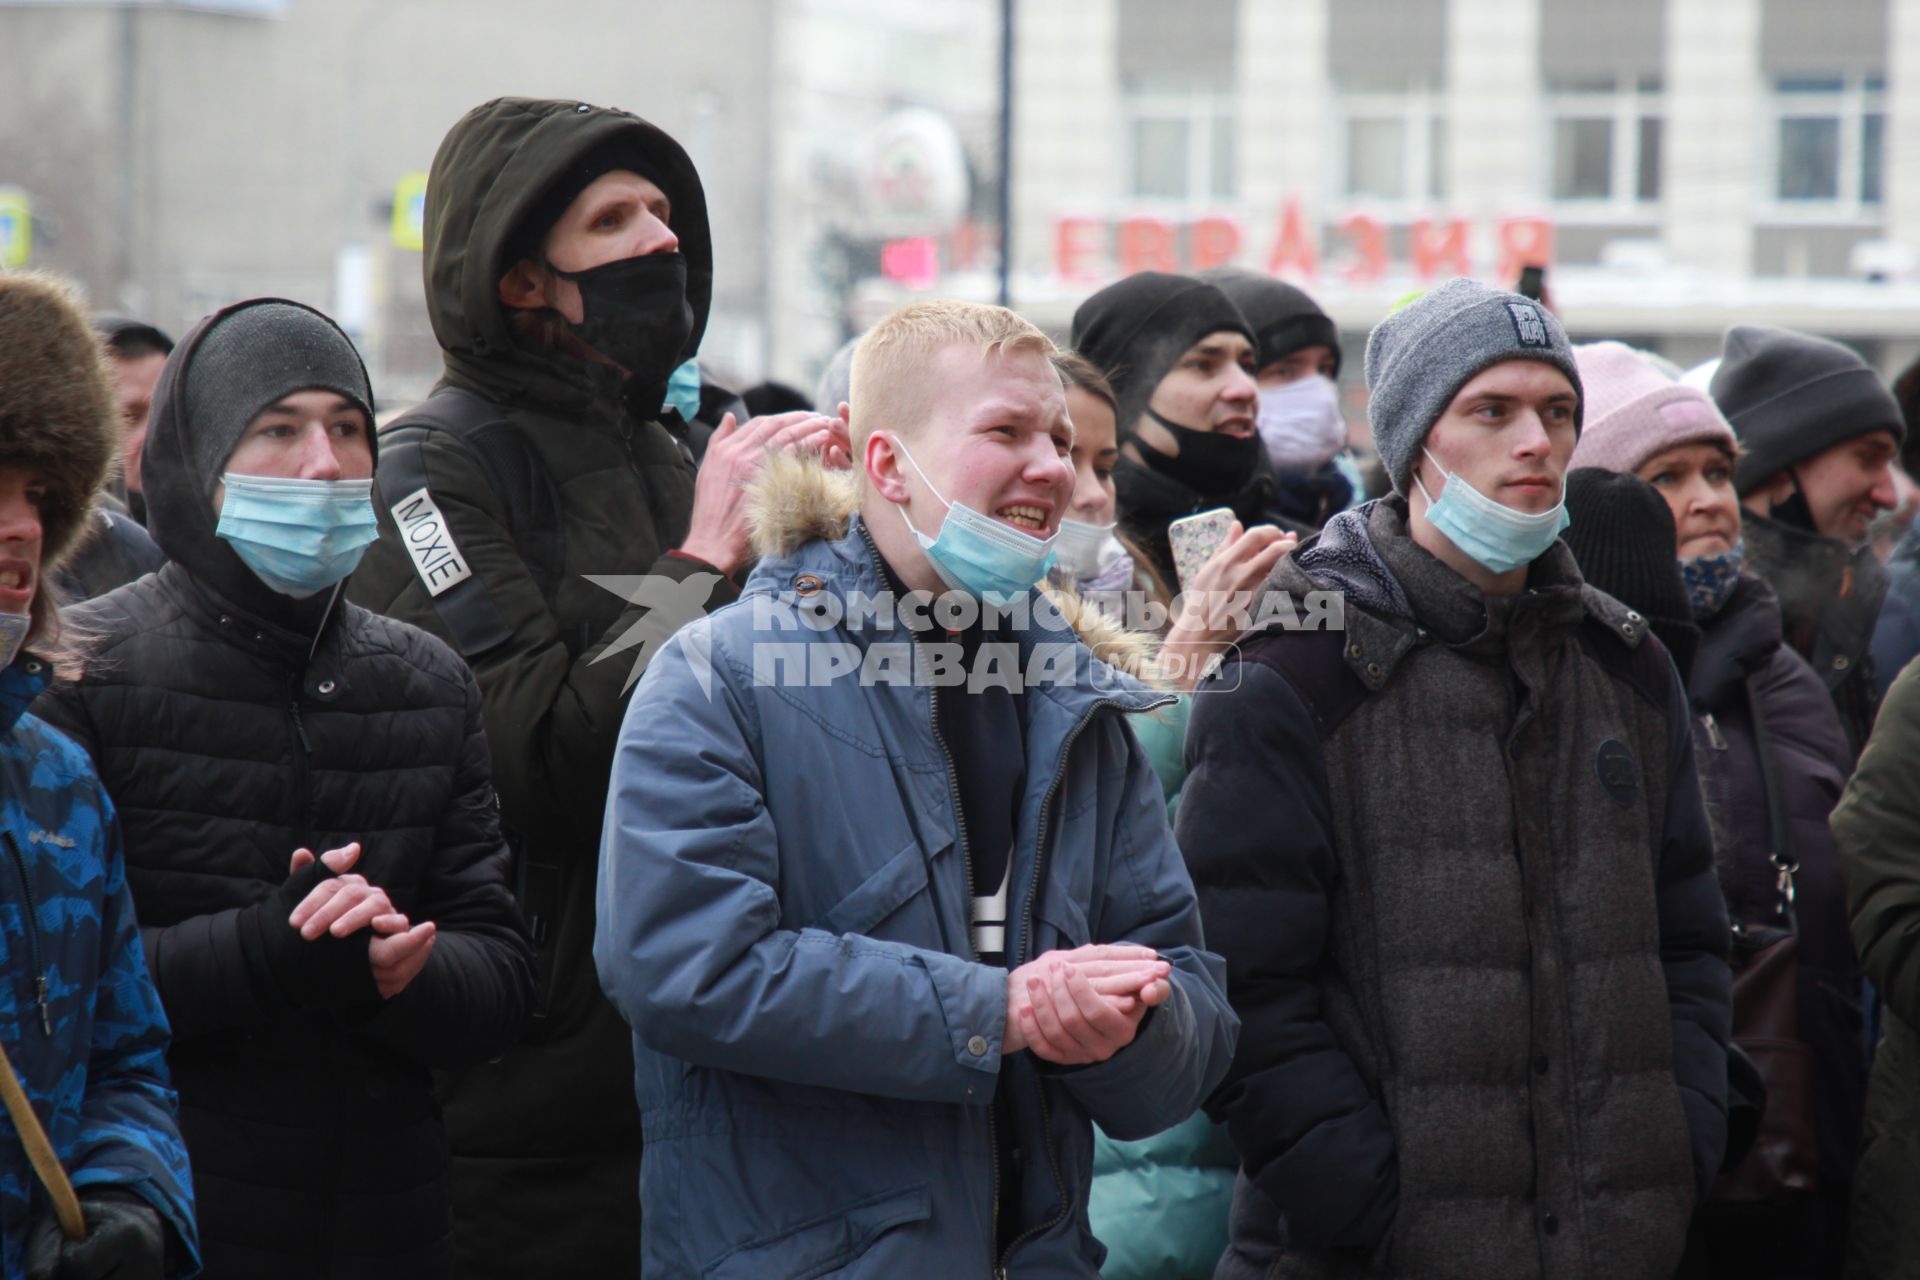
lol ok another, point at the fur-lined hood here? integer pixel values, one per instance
(57, 411)
(797, 501)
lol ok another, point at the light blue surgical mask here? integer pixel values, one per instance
(1495, 536)
(1710, 580)
(298, 536)
(984, 557)
(683, 390)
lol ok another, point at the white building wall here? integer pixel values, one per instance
(1284, 92)
(1713, 179)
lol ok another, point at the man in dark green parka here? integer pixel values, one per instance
(541, 512)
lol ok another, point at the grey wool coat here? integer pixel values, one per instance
(1457, 861)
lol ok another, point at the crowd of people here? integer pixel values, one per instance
(1038, 809)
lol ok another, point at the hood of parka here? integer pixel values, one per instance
(180, 514)
(491, 169)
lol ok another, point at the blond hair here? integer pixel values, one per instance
(889, 380)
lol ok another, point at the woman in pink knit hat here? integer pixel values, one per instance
(1772, 759)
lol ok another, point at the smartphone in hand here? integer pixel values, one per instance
(1194, 539)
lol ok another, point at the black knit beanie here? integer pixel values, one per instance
(1624, 541)
(1136, 329)
(251, 358)
(1283, 319)
(1791, 396)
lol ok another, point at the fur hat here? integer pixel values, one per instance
(58, 417)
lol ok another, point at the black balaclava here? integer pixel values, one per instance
(1624, 540)
(226, 370)
(1283, 319)
(635, 311)
(1135, 331)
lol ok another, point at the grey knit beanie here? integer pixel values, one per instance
(1419, 357)
(252, 358)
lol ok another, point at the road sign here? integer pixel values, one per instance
(410, 211)
(16, 227)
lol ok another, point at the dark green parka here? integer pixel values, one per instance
(546, 1140)
(1877, 830)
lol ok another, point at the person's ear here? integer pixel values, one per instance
(524, 286)
(883, 466)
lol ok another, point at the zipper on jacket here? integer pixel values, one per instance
(32, 923)
(1714, 735)
(1020, 957)
(302, 785)
(626, 446)
(966, 858)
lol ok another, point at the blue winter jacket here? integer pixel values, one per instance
(91, 1048)
(783, 918)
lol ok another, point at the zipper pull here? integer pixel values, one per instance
(300, 727)
(1714, 735)
(46, 1020)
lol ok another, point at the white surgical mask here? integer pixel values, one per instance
(1300, 423)
(1078, 545)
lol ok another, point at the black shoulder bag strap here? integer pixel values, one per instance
(1781, 855)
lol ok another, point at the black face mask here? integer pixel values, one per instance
(1795, 511)
(1212, 463)
(636, 312)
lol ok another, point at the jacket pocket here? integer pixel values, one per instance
(891, 886)
(1065, 918)
(827, 1243)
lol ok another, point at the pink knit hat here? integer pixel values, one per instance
(1635, 411)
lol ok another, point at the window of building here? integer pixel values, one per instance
(1392, 146)
(1828, 138)
(1180, 144)
(1605, 143)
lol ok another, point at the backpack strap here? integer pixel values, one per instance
(518, 479)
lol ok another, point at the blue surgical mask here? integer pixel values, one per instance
(976, 553)
(1710, 580)
(1495, 536)
(683, 390)
(298, 536)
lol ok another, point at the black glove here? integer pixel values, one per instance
(125, 1240)
(326, 973)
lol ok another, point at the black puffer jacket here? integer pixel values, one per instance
(232, 725)
(1739, 644)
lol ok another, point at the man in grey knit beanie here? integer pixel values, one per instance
(254, 356)
(1457, 862)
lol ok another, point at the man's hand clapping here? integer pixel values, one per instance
(1083, 1006)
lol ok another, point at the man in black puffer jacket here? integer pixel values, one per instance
(244, 716)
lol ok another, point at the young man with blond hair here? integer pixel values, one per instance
(897, 915)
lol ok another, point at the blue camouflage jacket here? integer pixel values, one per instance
(783, 918)
(79, 1016)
